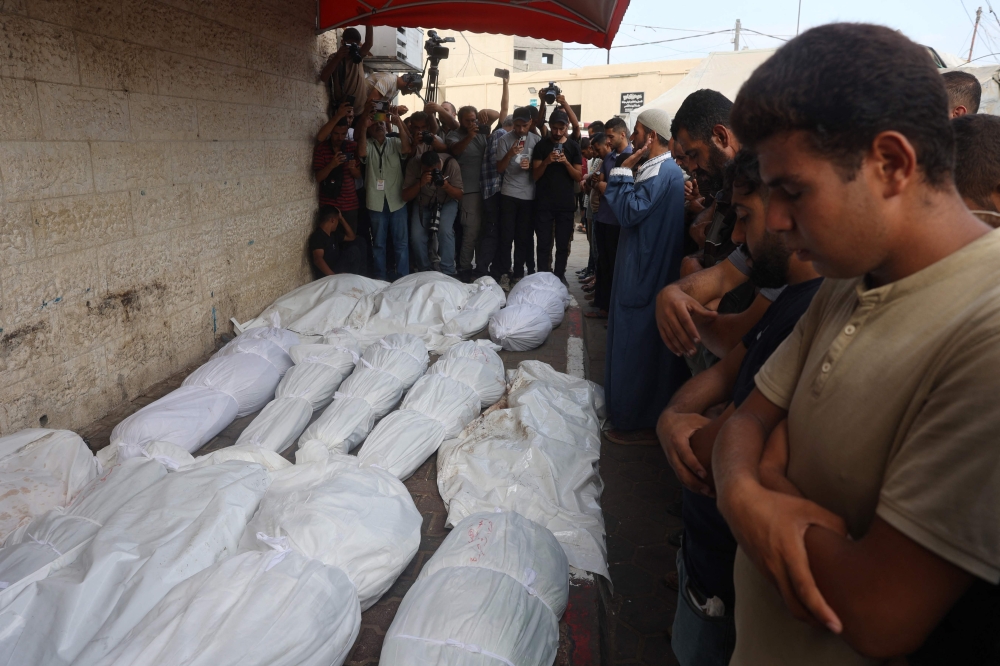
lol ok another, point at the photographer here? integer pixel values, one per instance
(517, 193)
(384, 86)
(344, 71)
(443, 118)
(468, 145)
(383, 189)
(435, 181)
(424, 133)
(556, 168)
(553, 95)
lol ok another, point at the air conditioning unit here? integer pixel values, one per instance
(395, 49)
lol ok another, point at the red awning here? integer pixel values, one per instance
(585, 21)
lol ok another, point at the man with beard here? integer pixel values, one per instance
(607, 229)
(704, 630)
(555, 166)
(703, 136)
(641, 375)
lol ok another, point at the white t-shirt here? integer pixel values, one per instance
(384, 83)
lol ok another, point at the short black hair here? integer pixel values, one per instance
(324, 213)
(419, 116)
(963, 90)
(617, 124)
(600, 137)
(743, 171)
(844, 84)
(584, 142)
(597, 126)
(700, 112)
(352, 35)
(430, 159)
(977, 158)
(464, 110)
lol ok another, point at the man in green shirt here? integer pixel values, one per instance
(383, 157)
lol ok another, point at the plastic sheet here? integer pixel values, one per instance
(520, 327)
(258, 608)
(319, 306)
(163, 535)
(549, 300)
(330, 508)
(41, 469)
(491, 594)
(539, 458)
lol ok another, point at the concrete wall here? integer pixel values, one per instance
(534, 48)
(596, 89)
(154, 182)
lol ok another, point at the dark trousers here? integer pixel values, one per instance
(561, 223)
(489, 236)
(515, 228)
(607, 250)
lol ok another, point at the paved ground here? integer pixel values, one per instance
(639, 487)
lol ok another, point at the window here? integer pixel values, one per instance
(520, 54)
(548, 58)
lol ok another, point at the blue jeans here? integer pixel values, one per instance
(697, 639)
(381, 222)
(445, 236)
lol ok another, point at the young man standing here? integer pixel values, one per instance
(704, 628)
(436, 205)
(490, 181)
(868, 526)
(384, 190)
(640, 373)
(555, 167)
(517, 196)
(977, 164)
(964, 93)
(344, 71)
(335, 165)
(607, 230)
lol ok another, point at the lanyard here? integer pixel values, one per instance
(381, 154)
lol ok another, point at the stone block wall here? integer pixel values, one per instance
(154, 182)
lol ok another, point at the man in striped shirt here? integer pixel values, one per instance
(335, 166)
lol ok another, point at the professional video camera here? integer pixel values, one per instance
(437, 177)
(433, 45)
(550, 93)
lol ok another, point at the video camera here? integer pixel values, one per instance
(433, 45)
(437, 177)
(550, 93)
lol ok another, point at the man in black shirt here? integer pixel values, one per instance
(556, 166)
(324, 243)
(704, 629)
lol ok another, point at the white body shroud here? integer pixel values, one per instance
(467, 378)
(539, 458)
(40, 469)
(176, 527)
(493, 593)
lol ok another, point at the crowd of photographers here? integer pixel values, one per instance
(462, 191)
(802, 290)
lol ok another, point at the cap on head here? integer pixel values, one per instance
(657, 120)
(559, 116)
(522, 113)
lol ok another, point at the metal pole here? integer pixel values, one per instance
(736, 40)
(609, 56)
(798, 21)
(979, 15)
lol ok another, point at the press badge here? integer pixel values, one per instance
(380, 185)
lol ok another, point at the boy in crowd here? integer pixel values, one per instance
(325, 241)
(861, 477)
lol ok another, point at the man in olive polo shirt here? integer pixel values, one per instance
(861, 478)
